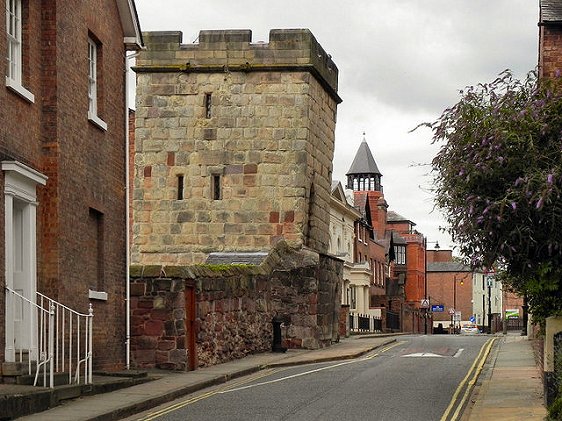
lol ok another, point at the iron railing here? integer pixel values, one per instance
(364, 323)
(392, 321)
(58, 339)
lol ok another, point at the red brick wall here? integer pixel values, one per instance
(441, 290)
(85, 165)
(512, 300)
(550, 50)
(434, 256)
(20, 125)
(377, 291)
(92, 167)
(415, 268)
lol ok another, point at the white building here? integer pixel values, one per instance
(356, 276)
(486, 295)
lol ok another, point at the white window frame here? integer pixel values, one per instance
(14, 55)
(93, 85)
(400, 254)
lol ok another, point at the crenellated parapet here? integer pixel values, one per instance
(233, 50)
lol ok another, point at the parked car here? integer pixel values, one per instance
(469, 328)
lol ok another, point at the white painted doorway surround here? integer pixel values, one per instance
(20, 221)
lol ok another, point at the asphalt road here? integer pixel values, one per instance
(416, 378)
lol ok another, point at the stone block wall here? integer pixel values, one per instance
(234, 145)
(235, 305)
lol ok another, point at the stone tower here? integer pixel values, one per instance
(234, 144)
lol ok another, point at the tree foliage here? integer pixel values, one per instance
(498, 180)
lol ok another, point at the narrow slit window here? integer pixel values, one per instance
(207, 105)
(216, 186)
(180, 187)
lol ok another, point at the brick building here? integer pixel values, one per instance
(62, 150)
(450, 288)
(550, 36)
(472, 294)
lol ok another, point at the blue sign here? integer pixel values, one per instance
(438, 308)
(472, 319)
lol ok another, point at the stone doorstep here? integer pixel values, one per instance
(59, 379)
(14, 369)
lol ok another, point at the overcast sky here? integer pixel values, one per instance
(401, 62)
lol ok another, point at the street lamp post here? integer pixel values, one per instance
(425, 243)
(489, 304)
(455, 301)
(489, 279)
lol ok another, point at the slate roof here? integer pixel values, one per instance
(392, 216)
(447, 267)
(551, 10)
(397, 238)
(250, 258)
(364, 163)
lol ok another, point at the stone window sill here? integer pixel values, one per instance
(19, 90)
(96, 121)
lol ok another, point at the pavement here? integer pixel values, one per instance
(509, 387)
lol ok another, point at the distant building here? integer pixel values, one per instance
(460, 295)
(395, 252)
(550, 33)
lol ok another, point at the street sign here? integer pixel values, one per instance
(424, 303)
(438, 308)
(457, 316)
(451, 311)
(472, 319)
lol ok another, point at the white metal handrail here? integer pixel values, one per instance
(59, 340)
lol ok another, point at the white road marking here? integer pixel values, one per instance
(458, 353)
(424, 354)
(288, 377)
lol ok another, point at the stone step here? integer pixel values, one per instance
(18, 401)
(14, 369)
(28, 379)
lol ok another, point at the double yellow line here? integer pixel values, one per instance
(465, 384)
(171, 408)
(248, 379)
